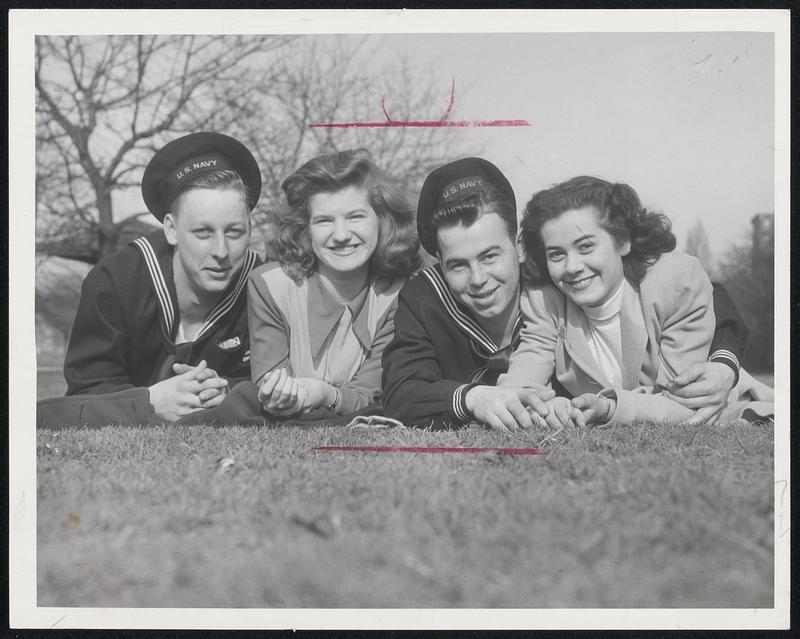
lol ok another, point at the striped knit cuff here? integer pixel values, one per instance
(724, 356)
(460, 402)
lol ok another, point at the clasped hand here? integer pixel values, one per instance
(192, 388)
(591, 409)
(282, 395)
(576, 413)
(704, 387)
(506, 408)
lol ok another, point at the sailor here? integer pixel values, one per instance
(458, 321)
(161, 327)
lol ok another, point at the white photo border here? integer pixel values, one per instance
(25, 24)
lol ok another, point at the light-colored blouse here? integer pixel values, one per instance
(301, 326)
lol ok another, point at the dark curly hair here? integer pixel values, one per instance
(397, 252)
(622, 215)
(466, 211)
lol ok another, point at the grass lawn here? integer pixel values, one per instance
(646, 516)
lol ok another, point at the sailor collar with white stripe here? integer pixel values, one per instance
(165, 288)
(484, 345)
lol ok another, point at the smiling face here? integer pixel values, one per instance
(344, 231)
(481, 266)
(210, 230)
(583, 259)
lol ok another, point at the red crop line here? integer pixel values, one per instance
(418, 124)
(443, 121)
(452, 100)
(425, 449)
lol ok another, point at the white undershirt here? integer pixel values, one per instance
(180, 338)
(604, 336)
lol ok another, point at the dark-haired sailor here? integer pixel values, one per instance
(458, 321)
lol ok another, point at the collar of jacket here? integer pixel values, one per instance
(325, 311)
(634, 339)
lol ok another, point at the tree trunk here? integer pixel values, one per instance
(106, 231)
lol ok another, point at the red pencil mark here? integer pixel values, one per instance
(383, 106)
(452, 100)
(425, 449)
(443, 121)
(419, 124)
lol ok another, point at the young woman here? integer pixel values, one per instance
(610, 308)
(321, 314)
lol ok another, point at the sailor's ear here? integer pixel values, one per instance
(171, 229)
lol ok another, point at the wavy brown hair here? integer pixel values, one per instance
(621, 214)
(397, 252)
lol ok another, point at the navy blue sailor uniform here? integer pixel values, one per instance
(439, 352)
(123, 337)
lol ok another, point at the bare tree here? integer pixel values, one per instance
(105, 103)
(342, 79)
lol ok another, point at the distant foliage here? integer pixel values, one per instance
(749, 278)
(697, 244)
(58, 286)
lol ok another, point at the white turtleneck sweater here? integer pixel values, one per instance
(603, 334)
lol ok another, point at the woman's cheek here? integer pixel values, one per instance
(554, 273)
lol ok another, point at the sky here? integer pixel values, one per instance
(687, 119)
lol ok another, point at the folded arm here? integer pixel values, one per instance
(98, 354)
(686, 313)
(415, 390)
(706, 386)
(533, 363)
